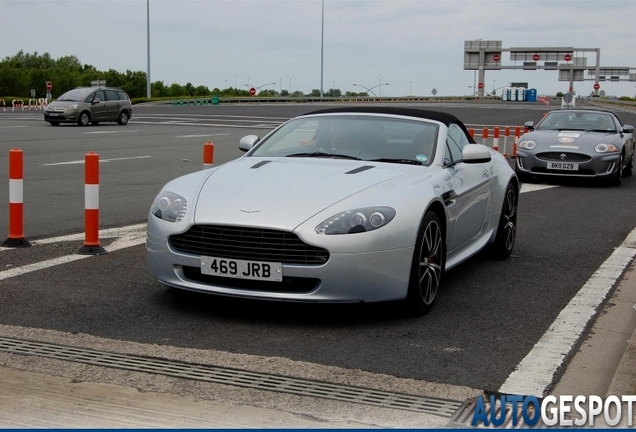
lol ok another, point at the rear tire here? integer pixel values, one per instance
(123, 118)
(427, 266)
(506, 236)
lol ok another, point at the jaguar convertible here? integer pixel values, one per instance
(577, 143)
(360, 204)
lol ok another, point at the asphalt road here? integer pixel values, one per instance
(488, 315)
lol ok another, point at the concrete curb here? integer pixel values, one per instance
(624, 381)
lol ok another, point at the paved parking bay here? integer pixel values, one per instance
(488, 317)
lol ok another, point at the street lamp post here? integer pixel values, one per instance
(234, 80)
(322, 45)
(370, 90)
(411, 88)
(148, 39)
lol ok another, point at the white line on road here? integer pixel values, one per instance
(101, 160)
(8, 127)
(535, 373)
(186, 123)
(200, 136)
(111, 132)
(127, 238)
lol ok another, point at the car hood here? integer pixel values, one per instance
(565, 139)
(284, 192)
(61, 104)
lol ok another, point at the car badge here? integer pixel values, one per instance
(566, 139)
(562, 156)
(249, 210)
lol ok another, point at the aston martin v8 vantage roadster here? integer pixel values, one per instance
(338, 205)
(577, 143)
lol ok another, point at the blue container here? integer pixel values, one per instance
(531, 95)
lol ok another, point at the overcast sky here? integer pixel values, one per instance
(414, 46)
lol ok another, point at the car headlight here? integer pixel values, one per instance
(169, 207)
(72, 107)
(356, 221)
(606, 148)
(527, 144)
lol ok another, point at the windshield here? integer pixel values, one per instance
(583, 121)
(370, 138)
(75, 95)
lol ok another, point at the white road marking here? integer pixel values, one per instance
(200, 136)
(534, 374)
(101, 160)
(186, 123)
(111, 132)
(128, 236)
(531, 187)
(8, 127)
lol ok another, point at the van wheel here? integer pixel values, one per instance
(84, 119)
(123, 118)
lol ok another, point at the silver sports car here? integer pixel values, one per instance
(577, 143)
(339, 205)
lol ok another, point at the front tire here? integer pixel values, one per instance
(507, 229)
(427, 266)
(84, 119)
(629, 169)
(617, 179)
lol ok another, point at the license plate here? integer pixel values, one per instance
(241, 269)
(52, 114)
(563, 166)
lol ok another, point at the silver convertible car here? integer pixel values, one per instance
(339, 205)
(577, 143)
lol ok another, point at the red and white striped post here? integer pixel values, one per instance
(505, 146)
(471, 132)
(208, 155)
(91, 244)
(517, 135)
(484, 136)
(16, 200)
(495, 139)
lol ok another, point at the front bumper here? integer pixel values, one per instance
(345, 277)
(601, 165)
(66, 116)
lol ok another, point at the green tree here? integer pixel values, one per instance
(190, 88)
(203, 91)
(13, 81)
(284, 93)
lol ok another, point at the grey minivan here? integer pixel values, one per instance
(84, 105)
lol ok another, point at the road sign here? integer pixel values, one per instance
(571, 88)
(49, 85)
(32, 93)
(567, 57)
(252, 91)
(480, 85)
(434, 91)
(602, 93)
(567, 98)
(596, 86)
(496, 57)
(535, 57)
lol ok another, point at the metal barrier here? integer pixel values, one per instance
(17, 103)
(4, 108)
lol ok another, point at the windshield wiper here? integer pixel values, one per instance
(323, 154)
(394, 160)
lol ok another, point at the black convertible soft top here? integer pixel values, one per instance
(439, 116)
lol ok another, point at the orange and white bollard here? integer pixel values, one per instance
(484, 136)
(471, 132)
(208, 155)
(91, 245)
(505, 146)
(16, 200)
(495, 139)
(517, 135)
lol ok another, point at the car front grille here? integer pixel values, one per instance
(254, 244)
(569, 157)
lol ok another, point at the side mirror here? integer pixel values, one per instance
(476, 153)
(529, 125)
(96, 101)
(628, 129)
(247, 142)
